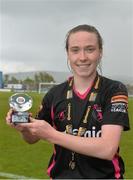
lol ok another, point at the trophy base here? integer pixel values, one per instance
(20, 117)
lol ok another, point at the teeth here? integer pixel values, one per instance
(84, 65)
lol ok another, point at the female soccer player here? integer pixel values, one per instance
(83, 117)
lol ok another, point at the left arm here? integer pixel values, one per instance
(103, 147)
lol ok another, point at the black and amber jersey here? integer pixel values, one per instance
(110, 107)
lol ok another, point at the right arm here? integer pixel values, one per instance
(29, 138)
(44, 113)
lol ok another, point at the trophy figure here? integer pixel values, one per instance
(20, 103)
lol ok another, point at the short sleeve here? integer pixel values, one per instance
(44, 112)
(116, 106)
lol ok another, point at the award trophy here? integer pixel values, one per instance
(20, 103)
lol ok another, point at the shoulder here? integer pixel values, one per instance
(56, 92)
(112, 87)
(60, 88)
(114, 102)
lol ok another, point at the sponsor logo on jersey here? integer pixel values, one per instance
(89, 133)
(119, 107)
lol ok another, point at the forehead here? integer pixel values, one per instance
(82, 37)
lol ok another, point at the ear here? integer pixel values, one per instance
(101, 54)
(100, 57)
(67, 55)
(68, 65)
(68, 62)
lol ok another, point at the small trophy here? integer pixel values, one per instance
(20, 103)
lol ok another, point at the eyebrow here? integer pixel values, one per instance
(88, 46)
(73, 47)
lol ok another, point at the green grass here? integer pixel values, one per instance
(16, 156)
(127, 145)
(20, 158)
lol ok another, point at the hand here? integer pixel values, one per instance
(9, 117)
(9, 122)
(38, 128)
(28, 137)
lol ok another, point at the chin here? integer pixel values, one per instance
(83, 75)
(86, 75)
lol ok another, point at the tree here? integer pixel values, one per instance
(13, 80)
(45, 77)
(42, 77)
(36, 80)
(6, 79)
(49, 78)
(28, 83)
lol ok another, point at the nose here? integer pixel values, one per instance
(82, 55)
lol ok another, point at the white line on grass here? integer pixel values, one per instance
(14, 176)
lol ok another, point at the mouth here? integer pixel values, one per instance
(83, 65)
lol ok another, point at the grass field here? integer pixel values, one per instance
(18, 157)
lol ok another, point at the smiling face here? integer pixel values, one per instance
(83, 53)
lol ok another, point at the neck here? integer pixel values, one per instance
(81, 84)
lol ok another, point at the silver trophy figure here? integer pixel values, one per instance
(20, 103)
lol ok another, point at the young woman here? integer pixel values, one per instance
(83, 117)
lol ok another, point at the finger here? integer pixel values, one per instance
(19, 128)
(24, 125)
(10, 112)
(32, 119)
(30, 114)
(9, 116)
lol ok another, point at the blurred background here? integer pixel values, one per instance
(32, 36)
